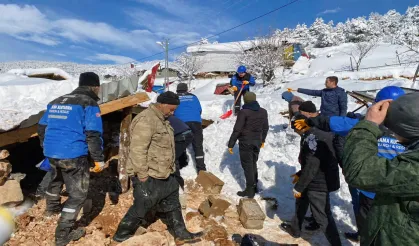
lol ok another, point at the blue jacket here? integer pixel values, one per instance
(237, 81)
(334, 101)
(388, 147)
(189, 109)
(71, 127)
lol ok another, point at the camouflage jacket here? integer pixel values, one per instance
(152, 146)
(394, 216)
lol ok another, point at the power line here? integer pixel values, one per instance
(232, 28)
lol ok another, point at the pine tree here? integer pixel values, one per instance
(321, 33)
(358, 30)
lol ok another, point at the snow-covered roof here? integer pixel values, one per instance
(216, 62)
(35, 71)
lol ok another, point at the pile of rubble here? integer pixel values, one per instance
(11, 193)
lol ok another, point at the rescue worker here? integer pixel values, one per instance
(387, 148)
(241, 78)
(183, 137)
(393, 218)
(151, 167)
(334, 99)
(251, 129)
(189, 111)
(318, 177)
(294, 103)
(70, 129)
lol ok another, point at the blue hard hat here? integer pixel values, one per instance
(389, 92)
(241, 69)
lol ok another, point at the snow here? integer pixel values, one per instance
(29, 72)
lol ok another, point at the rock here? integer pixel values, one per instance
(5, 169)
(149, 239)
(4, 154)
(216, 232)
(250, 214)
(191, 215)
(205, 208)
(158, 226)
(218, 206)
(224, 242)
(11, 193)
(182, 199)
(209, 182)
(17, 176)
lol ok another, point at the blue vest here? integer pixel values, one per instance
(189, 109)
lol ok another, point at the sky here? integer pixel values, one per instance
(122, 31)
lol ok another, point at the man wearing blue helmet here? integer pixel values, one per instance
(388, 147)
(237, 81)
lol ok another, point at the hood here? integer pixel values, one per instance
(84, 90)
(254, 106)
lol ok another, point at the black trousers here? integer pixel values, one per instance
(238, 104)
(249, 154)
(365, 204)
(182, 141)
(160, 195)
(319, 202)
(75, 174)
(197, 144)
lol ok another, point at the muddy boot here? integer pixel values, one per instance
(177, 228)
(248, 192)
(64, 236)
(126, 228)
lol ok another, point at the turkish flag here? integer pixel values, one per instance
(152, 77)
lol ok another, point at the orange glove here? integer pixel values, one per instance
(295, 178)
(99, 166)
(230, 150)
(301, 124)
(263, 145)
(234, 88)
(245, 82)
(290, 89)
(296, 194)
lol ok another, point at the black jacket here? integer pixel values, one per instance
(319, 166)
(251, 124)
(178, 126)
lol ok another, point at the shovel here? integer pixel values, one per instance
(230, 112)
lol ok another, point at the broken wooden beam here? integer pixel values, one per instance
(23, 134)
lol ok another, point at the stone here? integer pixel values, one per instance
(5, 169)
(191, 215)
(11, 193)
(216, 232)
(205, 208)
(182, 199)
(149, 239)
(218, 206)
(209, 182)
(250, 214)
(4, 154)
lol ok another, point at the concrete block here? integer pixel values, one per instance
(205, 209)
(250, 214)
(209, 182)
(218, 206)
(11, 193)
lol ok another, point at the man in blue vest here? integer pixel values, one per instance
(189, 111)
(239, 79)
(69, 131)
(388, 147)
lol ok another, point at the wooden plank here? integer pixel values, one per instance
(124, 102)
(124, 142)
(23, 134)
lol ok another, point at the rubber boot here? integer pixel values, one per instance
(176, 226)
(127, 228)
(248, 192)
(64, 236)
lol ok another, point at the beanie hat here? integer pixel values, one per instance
(168, 97)
(249, 97)
(89, 79)
(182, 87)
(308, 106)
(287, 96)
(403, 116)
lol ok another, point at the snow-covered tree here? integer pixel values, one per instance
(358, 30)
(339, 34)
(302, 34)
(391, 26)
(266, 54)
(321, 33)
(409, 34)
(187, 65)
(375, 23)
(360, 51)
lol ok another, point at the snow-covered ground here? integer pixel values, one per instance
(21, 97)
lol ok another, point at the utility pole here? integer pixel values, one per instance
(166, 65)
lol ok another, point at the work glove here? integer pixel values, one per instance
(295, 178)
(245, 82)
(290, 90)
(296, 194)
(234, 88)
(99, 166)
(263, 145)
(300, 124)
(230, 150)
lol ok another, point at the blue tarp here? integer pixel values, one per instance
(158, 89)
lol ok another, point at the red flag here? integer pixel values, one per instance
(152, 77)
